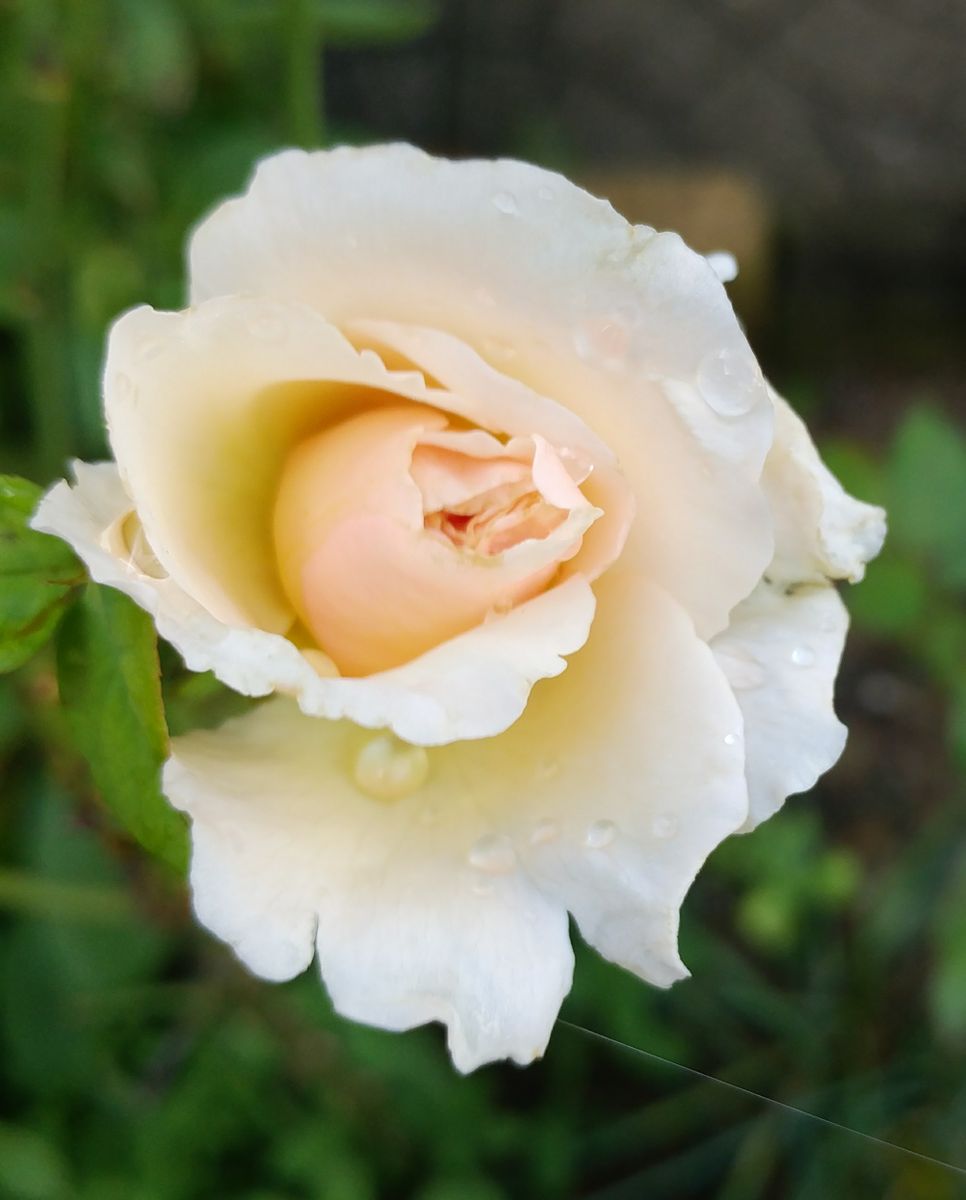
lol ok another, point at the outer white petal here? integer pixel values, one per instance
(821, 532)
(287, 852)
(627, 328)
(449, 902)
(470, 687)
(781, 653)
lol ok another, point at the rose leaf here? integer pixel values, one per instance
(38, 576)
(107, 666)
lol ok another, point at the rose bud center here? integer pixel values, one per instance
(395, 532)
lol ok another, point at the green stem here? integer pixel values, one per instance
(303, 72)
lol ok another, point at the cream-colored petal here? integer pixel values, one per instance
(202, 407)
(780, 654)
(447, 901)
(821, 532)
(628, 329)
(473, 686)
(287, 852)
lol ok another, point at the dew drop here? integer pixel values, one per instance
(544, 831)
(731, 739)
(730, 382)
(387, 768)
(600, 834)
(803, 656)
(506, 203)
(664, 827)
(724, 265)
(493, 853)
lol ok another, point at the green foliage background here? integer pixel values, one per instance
(137, 1060)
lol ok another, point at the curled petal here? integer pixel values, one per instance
(781, 654)
(202, 408)
(821, 532)
(473, 686)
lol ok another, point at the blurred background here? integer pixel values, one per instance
(822, 142)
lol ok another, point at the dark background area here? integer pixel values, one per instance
(822, 142)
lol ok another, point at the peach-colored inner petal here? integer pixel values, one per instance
(394, 533)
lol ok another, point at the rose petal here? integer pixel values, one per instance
(821, 532)
(473, 686)
(781, 653)
(286, 851)
(628, 329)
(604, 798)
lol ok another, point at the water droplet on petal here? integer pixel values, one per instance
(730, 382)
(664, 827)
(506, 203)
(544, 831)
(803, 656)
(388, 768)
(731, 739)
(493, 853)
(600, 834)
(724, 265)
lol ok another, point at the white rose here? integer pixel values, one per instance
(426, 429)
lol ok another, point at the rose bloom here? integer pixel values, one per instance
(485, 487)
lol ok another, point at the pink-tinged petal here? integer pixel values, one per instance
(371, 580)
(628, 329)
(781, 653)
(202, 408)
(474, 686)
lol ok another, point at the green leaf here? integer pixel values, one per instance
(37, 576)
(927, 491)
(107, 664)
